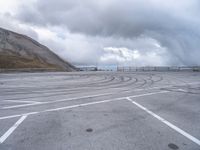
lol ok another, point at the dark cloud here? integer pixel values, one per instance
(174, 25)
(8, 22)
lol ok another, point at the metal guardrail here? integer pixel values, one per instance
(159, 68)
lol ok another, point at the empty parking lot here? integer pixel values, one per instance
(100, 111)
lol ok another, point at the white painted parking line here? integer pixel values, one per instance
(56, 101)
(18, 115)
(20, 101)
(89, 96)
(148, 94)
(181, 90)
(12, 129)
(172, 126)
(80, 105)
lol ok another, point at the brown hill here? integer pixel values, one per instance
(20, 51)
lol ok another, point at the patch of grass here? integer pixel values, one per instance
(17, 62)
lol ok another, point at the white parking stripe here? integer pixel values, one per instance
(18, 115)
(177, 129)
(148, 94)
(12, 129)
(81, 105)
(88, 96)
(20, 101)
(56, 101)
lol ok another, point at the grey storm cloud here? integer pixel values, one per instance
(173, 25)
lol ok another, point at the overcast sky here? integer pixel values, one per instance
(110, 32)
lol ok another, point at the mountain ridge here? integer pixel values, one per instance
(20, 51)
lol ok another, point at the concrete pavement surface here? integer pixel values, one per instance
(100, 111)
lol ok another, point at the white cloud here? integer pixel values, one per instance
(104, 32)
(121, 54)
(125, 56)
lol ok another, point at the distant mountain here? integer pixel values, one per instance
(20, 51)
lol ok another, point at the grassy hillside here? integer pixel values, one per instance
(19, 51)
(17, 62)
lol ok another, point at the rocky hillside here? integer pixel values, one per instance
(20, 51)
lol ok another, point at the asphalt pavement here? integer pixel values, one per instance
(100, 111)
